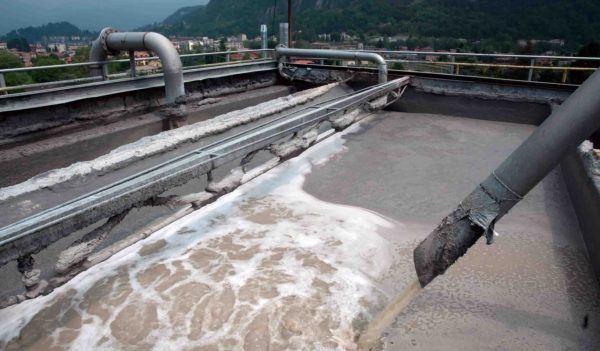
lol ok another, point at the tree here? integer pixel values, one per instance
(46, 75)
(18, 43)
(8, 60)
(222, 47)
(592, 49)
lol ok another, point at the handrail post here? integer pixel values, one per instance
(452, 68)
(263, 34)
(104, 69)
(3, 84)
(132, 64)
(564, 75)
(530, 76)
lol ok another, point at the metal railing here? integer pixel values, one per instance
(454, 67)
(133, 72)
(415, 60)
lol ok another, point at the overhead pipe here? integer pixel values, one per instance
(337, 55)
(111, 42)
(568, 126)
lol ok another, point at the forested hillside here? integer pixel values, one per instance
(574, 20)
(33, 34)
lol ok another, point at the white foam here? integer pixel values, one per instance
(162, 142)
(343, 239)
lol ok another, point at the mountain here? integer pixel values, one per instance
(88, 14)
(573, 20)
(33, 34)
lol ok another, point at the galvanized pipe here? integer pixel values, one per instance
(263, 35)
(111, 42)
(338, 55)
(568, 126)
(290, 25)
(284, 34)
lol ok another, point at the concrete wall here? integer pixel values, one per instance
(20, 125)
(583, 183)
(22, 162)
(481, 100)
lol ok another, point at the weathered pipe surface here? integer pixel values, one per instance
(575, 120)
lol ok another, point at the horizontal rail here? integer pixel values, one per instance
(471, 54)
(58, 83)
(70, 93)
(40, 230)
(96, 63)
(444, 63)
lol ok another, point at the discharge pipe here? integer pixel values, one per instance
(337, 55)
(568, 126)
(111, 42)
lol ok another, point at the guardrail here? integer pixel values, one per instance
(416, 60)
(266, 54)
(454, 67)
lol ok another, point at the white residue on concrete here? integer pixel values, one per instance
(162, 142)
(265, 265)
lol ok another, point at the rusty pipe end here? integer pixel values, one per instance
(445, 245)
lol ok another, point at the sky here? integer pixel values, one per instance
(88, 14)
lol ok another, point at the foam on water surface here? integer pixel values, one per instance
(268, 265)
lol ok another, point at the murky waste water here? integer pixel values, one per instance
(265, 267)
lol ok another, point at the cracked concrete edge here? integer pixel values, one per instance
(187, 204)
(162, 142)
(489, 91)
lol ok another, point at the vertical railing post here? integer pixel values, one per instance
(2, 84)
(104, 71)
(132, 64)
(263, 34)
(564, 75)
(453, 60)
(227, 57)
(283, 34)
(531, 65)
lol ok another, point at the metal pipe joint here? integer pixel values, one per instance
(111, 42)
(339, 55)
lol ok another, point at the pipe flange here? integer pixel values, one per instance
(103, 36)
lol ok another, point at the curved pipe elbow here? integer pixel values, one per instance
(111, 42)
(339, 54)
(172, 66)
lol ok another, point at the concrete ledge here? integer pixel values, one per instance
(581, 171)
(25, 161)
(494, 101)
(25, 113)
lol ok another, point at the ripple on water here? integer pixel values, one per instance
(268, 266)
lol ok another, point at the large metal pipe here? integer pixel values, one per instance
(339, 55)
(111, 42)
(568, 126)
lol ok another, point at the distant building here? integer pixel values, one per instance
(143, 55)
(26, 57)
(57, 47)
(3, 45)
(236, 45)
